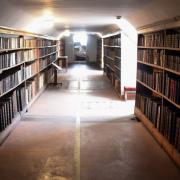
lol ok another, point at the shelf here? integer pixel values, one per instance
(173, 153)
(12, 89)
(163, 48)
(172, 102)
(109, 58)
(117, 67)
(32, 76)
(172, 71)
(5, 69)
(160, 94)
(109, 67)
(111, 46)
(118, 57)
(150, 47)
(149, 64)
(47, 55)
(25, 48)
(145, 85)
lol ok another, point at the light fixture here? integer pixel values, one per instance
(67, 33)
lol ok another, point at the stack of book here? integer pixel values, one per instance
(156, 39)
(11, 80)
(11, 43)
(172, 87)
(172, 61)
(152, 56)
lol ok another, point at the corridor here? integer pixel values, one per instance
(83, 131)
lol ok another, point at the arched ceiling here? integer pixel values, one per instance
(90, 15)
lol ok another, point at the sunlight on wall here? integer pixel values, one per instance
(129, 53)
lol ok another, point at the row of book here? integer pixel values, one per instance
(172, 87)
(117, 62)
(109, 62)
(31, 70)
(156, 39)
(110, 75)
(17, 100)
(118, 52)
(20, 42)
(153, 79)
(12, 80)
(166, 119)
(117, 85)
(117, 72)
(31, 90)
(151, 56)
(171, 126)
(10, 106)
(172, 40)
(160, 39)
(46, 51)
(45, 77)
(172, 61)
(109, 52)
(11, 43)
(113, 41)
(46, 61)
(12, 59)
(150, 106)
(33, 43)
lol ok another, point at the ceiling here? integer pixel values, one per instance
(90, 15)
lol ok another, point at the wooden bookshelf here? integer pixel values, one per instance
(99, 52)
(158, 86)
(112, 60)
(25, 71)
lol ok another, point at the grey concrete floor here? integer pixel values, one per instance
(83, 131)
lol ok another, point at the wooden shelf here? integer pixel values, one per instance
(109, 58)
(109, 67)
(149, 47)
(163, 48)
(117, 67)
(12, 88)
(160, 94)
(47, 55)
(149, 64)
(25, 48)
(111, 46)
(145, 85)
(173, 153)
(118, 57)
(172, 71)
(5, 69)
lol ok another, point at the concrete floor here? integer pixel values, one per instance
(82, 131)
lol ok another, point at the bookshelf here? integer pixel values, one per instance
(112, 60)
(61, 44)
(158, 85)
(99, 52)
(25, 71)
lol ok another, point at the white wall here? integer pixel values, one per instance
(91, 48)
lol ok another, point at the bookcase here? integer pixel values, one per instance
(25, 70)
(62, 47)
(99, 52)
(158, 85)
(112, 60)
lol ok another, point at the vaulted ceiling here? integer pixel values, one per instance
(90, 15)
